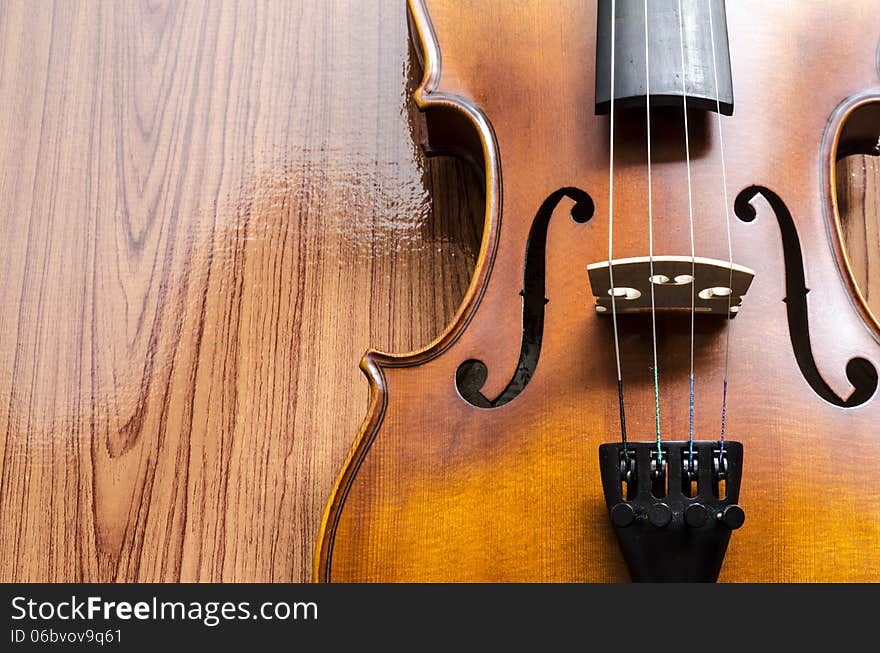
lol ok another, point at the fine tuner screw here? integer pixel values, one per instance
(622, 515)
(695, 515)
(660, 515)
(733, 516)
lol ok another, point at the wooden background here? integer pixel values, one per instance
(209, 212)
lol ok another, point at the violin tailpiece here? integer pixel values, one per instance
(673, 509)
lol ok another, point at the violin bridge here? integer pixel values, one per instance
(718, 285)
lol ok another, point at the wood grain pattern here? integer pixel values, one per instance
(210, 212)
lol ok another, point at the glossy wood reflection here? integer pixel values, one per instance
(859, 188)
(209, 213)
(202, 233)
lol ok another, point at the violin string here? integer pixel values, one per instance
(729, 239)
(687, 149)
(620, 402)
(651, 244)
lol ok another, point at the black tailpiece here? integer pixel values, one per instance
(671, 520)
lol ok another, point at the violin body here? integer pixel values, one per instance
(437, 488)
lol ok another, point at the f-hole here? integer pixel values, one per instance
(472, 373)
(860, 372)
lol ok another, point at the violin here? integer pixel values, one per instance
(663, 369)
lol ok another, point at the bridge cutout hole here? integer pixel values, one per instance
(679, 280)
(622, 292)
(712, 293)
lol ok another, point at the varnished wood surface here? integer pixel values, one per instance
(209, 212)
(440, 489)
